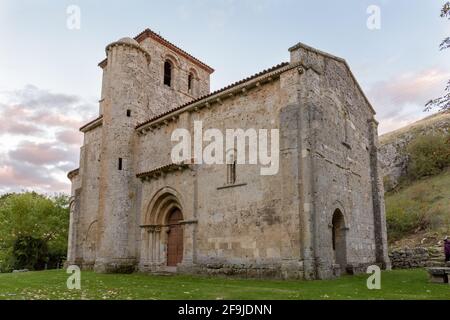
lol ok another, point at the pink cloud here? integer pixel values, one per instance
(50, 119)
(390, 96)
(34, 107)
(401, 99)
(14, 127)
(71, 137)
(40, 153)
(43, 127)
(15, 179)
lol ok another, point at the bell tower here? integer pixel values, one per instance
(142, 78)
(124, 103)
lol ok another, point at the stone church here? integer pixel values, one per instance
(133, 209)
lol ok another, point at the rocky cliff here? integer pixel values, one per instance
(392, 153)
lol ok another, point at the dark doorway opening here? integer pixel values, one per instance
(339, 240)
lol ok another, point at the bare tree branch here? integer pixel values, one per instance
(443, 102)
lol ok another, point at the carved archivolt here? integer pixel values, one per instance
(163, 202)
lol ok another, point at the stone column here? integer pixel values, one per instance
(73, 253)
(150, 244)
(188, 242)
(144, 247)
(158, 250)
(308, 97)
(379, 215)
(71, 248)
(293, 244)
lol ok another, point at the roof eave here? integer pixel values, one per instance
(92, 124)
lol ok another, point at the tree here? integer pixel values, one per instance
(29, 253)
(28, 222)
(443, 102)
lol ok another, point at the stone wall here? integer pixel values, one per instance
(251, 226)
(407, 258)
(264, 224)
(342, 142)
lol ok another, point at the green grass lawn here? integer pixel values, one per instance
(400, 284)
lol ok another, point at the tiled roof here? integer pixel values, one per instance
(147, 33)
(281, 65)
(91, 123)
(166, 168)
(73, 173)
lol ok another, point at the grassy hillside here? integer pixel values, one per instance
(394, 153)
(418, 213)
(417, 209)
(438, 121)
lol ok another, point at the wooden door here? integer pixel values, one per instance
(175, 239)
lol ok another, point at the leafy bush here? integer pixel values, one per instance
(428, 155)
(405, 216)
(33, 230)
(388, 183)
(438, 217)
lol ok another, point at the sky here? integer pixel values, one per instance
(50, 82)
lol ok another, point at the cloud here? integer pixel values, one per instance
(70, 137)
(33, 97)
(50, 119)
(41, 138)
(16, 127)
(19, 176)
(40, 153)
(220, 13)
(33, 110)
(401, 99)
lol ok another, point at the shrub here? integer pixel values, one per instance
(438, 218)
(388, 183)
(404, 217)
(428, 155)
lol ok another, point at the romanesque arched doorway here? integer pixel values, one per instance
(339, 242)
(164, 228)
(174, 238)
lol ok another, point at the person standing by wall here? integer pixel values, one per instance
(447, 249)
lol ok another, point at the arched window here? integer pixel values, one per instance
(231, 166)
(168, 73)
(190, 82)
(231, 173)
